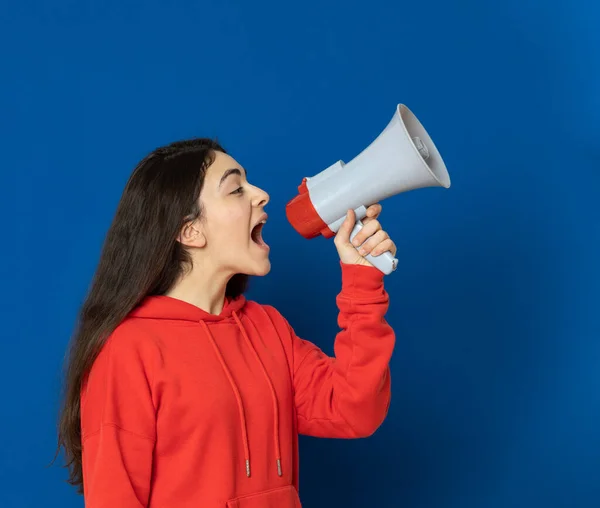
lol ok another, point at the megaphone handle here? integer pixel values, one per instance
(385, 262)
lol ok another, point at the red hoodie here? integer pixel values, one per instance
(185, 409)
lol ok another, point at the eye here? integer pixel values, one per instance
(239, 190)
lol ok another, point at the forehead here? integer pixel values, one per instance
(222, 163)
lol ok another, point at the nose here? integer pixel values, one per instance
(260, 198)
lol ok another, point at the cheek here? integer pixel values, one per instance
(228, 224)
(234, 217)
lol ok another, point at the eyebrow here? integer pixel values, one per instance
(229, 172)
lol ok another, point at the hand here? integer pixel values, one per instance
(372, 239)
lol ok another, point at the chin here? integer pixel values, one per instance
(255, 268)
(262, 269)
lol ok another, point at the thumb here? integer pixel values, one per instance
(343, 235)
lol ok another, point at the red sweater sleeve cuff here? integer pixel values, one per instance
(361, 281)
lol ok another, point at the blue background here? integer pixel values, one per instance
(496, 374)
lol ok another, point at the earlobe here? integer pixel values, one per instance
(191, 236)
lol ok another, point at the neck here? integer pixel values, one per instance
(202, 287)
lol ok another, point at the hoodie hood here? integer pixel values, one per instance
(166, 307)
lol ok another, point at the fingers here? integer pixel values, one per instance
(374, 242)
(373, 212)
(343, 234)
(370, 239)
(369, 229)
(386, 245)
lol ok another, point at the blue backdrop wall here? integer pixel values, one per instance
(496, 374)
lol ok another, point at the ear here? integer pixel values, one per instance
(192, 235)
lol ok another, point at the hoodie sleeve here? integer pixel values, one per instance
(118, 425)
(348, 395)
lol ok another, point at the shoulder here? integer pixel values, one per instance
(260, 311)
(120, 382)
(130, 347)
(129, 358)
(133, 337)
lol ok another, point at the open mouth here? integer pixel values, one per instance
(256, 233)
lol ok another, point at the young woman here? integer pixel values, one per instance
(180, 393)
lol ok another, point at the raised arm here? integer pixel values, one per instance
(347, 395)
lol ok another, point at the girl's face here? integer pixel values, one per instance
(229, 231)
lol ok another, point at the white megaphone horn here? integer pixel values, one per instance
(402, 158)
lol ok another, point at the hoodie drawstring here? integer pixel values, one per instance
(239, 398)
(273, 394)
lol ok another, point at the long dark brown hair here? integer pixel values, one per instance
(140, 257)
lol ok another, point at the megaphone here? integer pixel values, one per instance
(402, 158)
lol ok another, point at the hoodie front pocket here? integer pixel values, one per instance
(282, 497)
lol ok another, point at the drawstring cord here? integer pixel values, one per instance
(273, 395)
(238, 397)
